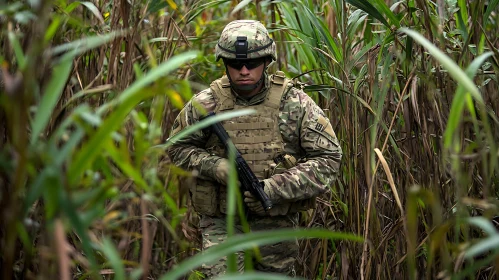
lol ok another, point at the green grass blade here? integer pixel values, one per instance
(162, 70)
(91, 6)
(484, 224)
(381, 4)
(50, 97)
(69, 209)
(125, 164)
(52, 29)
(490, 8)
(256, 276)
(369, 9)
(130, 98)
(113, 256)
(483, 246)
(247, 241)
(241, 6)
(203, 124)
(80, 46)
(458, 102)
(18, 51)
(454, 70)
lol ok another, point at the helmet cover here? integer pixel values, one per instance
(245, 39)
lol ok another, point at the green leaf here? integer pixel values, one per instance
(240, 6)
(35, 190)
(454, 70)
(91, 6)
(490, 8)
(52, 187)
(310, 88)
(203, 124)
(256, 276)
(369, 9)
(69, 210)
(483, 246)
(52, 29)
(201, 8)
(484, 224)
(114, 258)
(50, 97)
(125, 102)
(78, 47)
(18, 51)
(246, 241)
(458, 102)
(381, 4)
(125, 164)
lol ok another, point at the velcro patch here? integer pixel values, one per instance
(176, 127)
(323, 124)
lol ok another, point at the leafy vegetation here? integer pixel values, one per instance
(89, 91)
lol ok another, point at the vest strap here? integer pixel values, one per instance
(277, 90)
(253, 157)
(252, 140)
(248, 126)
(258, 168)
(222, 94)
(225, 82)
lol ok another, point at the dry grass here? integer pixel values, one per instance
(389, 100)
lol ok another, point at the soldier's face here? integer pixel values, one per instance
(248, 72)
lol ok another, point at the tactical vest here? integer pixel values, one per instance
(256, 136)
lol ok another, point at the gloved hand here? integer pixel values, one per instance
(222, 171)
(255, 206)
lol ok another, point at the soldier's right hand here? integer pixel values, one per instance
(222, 171)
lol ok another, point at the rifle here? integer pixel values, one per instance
(247, 178)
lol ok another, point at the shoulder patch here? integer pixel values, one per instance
(176, 127)
(324, 125)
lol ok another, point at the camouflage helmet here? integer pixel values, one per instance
(245, 39)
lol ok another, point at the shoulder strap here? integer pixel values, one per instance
(222, 94)
(278, 86)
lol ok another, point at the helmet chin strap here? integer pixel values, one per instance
(245, 88)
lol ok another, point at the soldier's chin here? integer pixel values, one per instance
(246, 87)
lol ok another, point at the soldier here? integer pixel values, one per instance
(287, 125)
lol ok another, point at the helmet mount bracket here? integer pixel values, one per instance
(241, 46)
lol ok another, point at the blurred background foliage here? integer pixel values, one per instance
(89, 90)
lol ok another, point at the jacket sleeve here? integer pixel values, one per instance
(320, 146)
(188, 153)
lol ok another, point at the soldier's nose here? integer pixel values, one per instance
(244, 70)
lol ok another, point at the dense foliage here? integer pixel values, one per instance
(89, 90)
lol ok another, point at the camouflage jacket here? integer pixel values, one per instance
(305, 130)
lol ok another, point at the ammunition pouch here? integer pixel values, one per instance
(210, 198)
(205, 197)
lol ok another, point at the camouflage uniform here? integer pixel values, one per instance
(305, 133)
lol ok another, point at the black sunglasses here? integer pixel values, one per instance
(238, 64)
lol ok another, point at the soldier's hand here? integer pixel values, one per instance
(222, 171)
(254, 205)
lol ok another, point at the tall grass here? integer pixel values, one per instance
(411, 98)
(89, 91)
